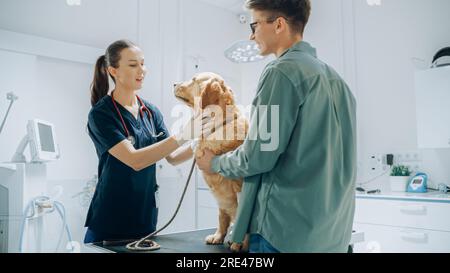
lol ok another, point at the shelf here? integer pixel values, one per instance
(8, 166)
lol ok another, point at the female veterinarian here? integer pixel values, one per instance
(130, 136)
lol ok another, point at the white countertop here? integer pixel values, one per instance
(8, 166)
(431, 196)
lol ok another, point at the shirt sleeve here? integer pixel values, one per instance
(104, 131)
(275, 110)
(159, 123)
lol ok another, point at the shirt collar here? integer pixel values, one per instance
(303, 47)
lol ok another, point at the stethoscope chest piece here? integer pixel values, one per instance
(132, 140)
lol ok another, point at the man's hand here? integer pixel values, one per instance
(204, 161)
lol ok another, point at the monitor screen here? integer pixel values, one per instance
(46, 137)
(417, 181)
(43, 142)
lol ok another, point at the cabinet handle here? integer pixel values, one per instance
(414, 209)
(417, 237)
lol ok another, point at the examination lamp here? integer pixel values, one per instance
(243, 52)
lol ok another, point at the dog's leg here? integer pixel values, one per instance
(218, 237)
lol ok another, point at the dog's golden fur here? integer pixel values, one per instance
(209, 89)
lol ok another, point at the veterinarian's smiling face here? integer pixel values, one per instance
(131, 71)
(265, 32)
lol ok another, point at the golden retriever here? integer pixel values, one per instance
(209, 89)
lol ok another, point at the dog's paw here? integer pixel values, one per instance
(214, 239)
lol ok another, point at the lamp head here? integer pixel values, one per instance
(11, 96)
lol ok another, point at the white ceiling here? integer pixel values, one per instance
(235, 6)
(92, 23)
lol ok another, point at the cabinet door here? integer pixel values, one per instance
(170, 192)
(208, 210)
(422, 215)
(385, 239)
(433, 101)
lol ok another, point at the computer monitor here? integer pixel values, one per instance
(43, 145)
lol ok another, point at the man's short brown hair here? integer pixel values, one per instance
(295, 11)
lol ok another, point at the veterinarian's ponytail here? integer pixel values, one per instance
(100, 83)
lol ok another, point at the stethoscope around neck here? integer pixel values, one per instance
(142, 109)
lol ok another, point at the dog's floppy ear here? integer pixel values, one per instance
(228, 95)
(211, 94)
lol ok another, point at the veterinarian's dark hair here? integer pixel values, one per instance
(295, 11)
(100, 84)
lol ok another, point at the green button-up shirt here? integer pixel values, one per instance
(298, 190)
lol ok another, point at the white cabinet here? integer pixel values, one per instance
(433, 107)
(403, 224)
(388, 239)
(207, 208)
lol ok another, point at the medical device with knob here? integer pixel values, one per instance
(23, 188)
(40, 206)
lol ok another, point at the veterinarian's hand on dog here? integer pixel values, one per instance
(204, 161)
(200, 124)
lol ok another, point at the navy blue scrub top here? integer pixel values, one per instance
(124, 204)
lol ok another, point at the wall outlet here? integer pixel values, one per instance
(376, 163)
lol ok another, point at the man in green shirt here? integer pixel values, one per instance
(298, 191)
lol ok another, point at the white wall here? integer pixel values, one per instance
(371, 47)
(55, 87)
(388, 37)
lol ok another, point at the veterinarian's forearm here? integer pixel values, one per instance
(180, 155)
(148, 156)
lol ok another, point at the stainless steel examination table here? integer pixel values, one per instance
(188, 242)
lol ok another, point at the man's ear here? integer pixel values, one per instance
(210, 94)
(280, 25)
